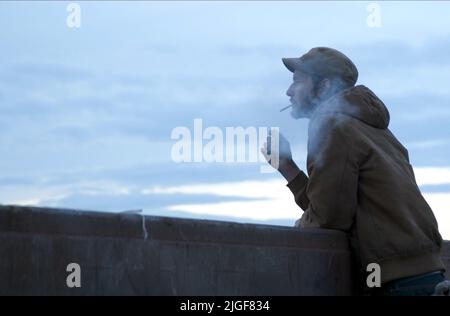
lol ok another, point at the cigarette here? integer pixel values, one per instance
(285, 108)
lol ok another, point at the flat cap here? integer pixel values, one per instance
(325, 62)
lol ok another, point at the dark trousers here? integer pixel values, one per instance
(420, 285)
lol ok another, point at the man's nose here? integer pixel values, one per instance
(289, 92)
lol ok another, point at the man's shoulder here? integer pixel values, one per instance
(325, 123)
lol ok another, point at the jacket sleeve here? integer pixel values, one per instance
(329, 196)
(298, 188)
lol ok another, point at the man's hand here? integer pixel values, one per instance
(286, 166)
(282, 151)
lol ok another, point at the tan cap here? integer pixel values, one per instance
(324, 62)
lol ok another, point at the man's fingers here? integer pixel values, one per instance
(263, 151)
(264, 147)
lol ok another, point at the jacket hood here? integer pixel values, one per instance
(358, 102)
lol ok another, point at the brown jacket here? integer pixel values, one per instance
(361, 182)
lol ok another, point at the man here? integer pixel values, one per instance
(360, 179)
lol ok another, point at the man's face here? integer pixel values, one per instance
(302, 96)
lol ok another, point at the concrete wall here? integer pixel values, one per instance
(128, 254)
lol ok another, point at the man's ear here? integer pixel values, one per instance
(325, 86)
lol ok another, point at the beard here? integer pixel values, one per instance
(305, 107)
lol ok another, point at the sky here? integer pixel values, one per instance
(87, 113)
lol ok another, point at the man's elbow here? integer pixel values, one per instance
(325, 222)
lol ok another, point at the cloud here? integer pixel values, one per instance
(439, 203)
(427, 144)
(256, 210)
(155, 204)
(42, 72)
(249, 189)
(432, 175)
(401, 53)
(437, 188)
